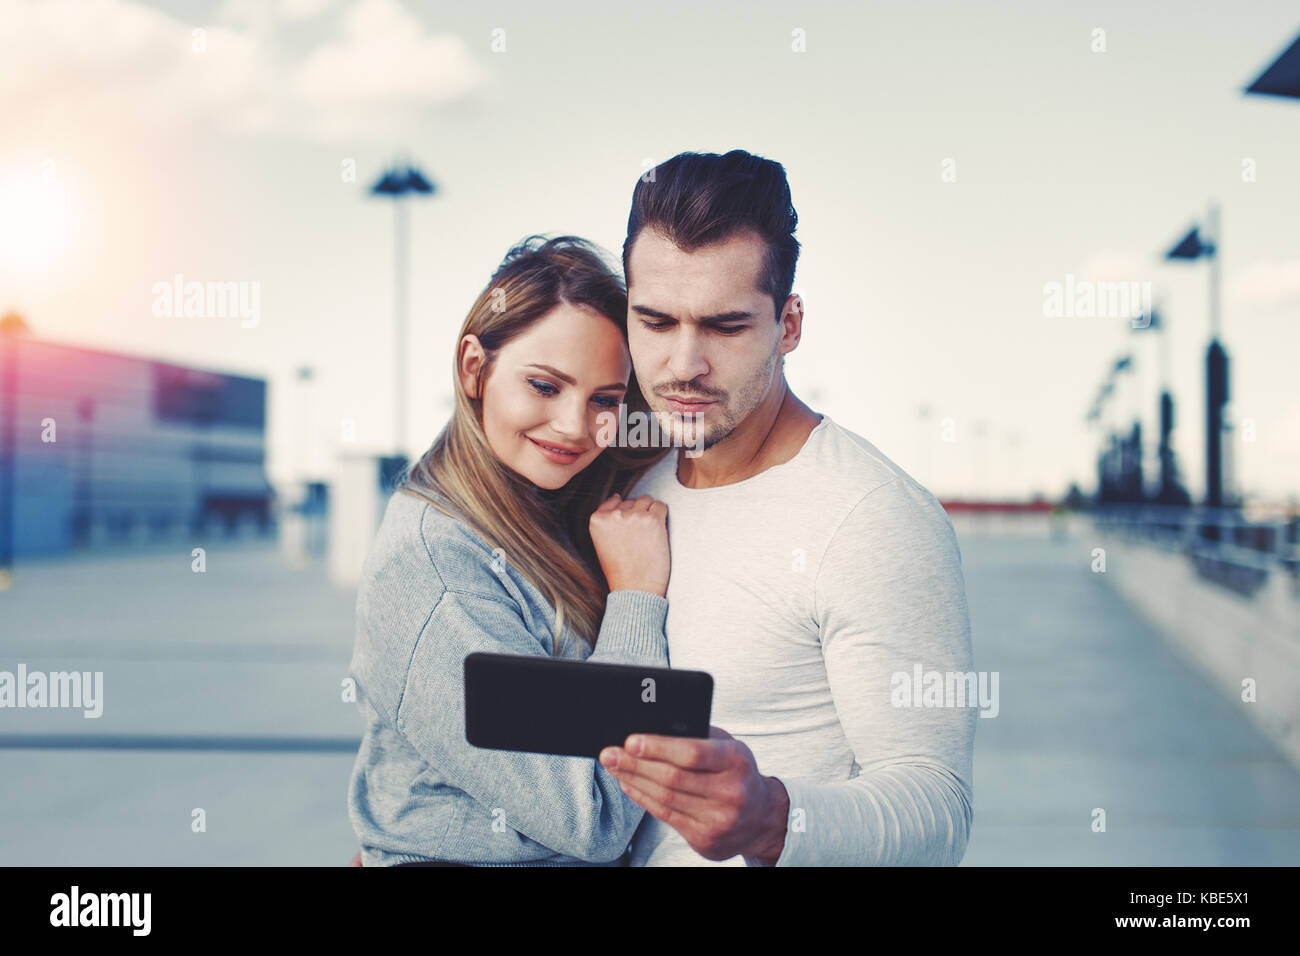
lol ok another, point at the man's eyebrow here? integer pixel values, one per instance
(736, 315)
(566, 378)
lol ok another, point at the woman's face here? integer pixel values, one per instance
(545, 390)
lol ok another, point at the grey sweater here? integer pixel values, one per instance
(430, 594)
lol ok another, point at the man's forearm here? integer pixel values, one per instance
(903, 815)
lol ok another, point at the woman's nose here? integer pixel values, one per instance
(571, 421)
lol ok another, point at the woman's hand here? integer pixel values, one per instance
(631, 540)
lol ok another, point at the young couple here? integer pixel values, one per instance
(789, 558)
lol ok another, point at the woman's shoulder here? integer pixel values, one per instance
(416, 527)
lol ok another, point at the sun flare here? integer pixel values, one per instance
(37, 221)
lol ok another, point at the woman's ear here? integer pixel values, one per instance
(469, 363)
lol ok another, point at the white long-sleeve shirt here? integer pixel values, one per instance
(807, 591)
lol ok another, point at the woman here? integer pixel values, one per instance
(509, 536)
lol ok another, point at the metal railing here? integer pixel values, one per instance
(1222, 542)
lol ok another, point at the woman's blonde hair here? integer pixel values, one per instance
(542, 533)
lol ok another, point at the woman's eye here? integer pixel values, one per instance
(542, 387)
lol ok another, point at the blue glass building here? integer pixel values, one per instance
(100, 449)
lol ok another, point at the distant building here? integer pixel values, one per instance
(107, 449)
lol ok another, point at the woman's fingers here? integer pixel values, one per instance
(618, 502)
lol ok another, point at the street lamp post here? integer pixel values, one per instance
(396, 183)
(1191, 247)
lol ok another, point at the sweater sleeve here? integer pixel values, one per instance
(571, 805)
(890, 595)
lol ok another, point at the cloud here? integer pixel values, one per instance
(118, 64)
(301, 9)
(383, 61)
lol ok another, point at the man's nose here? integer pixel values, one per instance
(687, 361)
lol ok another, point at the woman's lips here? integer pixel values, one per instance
(559, 457)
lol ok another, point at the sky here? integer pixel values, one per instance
(947, 162)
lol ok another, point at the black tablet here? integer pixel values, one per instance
(578, 708)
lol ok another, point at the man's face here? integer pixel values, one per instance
(699, 327)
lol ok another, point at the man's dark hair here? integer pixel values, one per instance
(697, 199)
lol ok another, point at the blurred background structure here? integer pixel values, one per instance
(1003, 295)
(129, 450)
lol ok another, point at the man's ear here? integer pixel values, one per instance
(792, 323)
(469, 362)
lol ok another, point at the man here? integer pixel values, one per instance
(809, 571)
